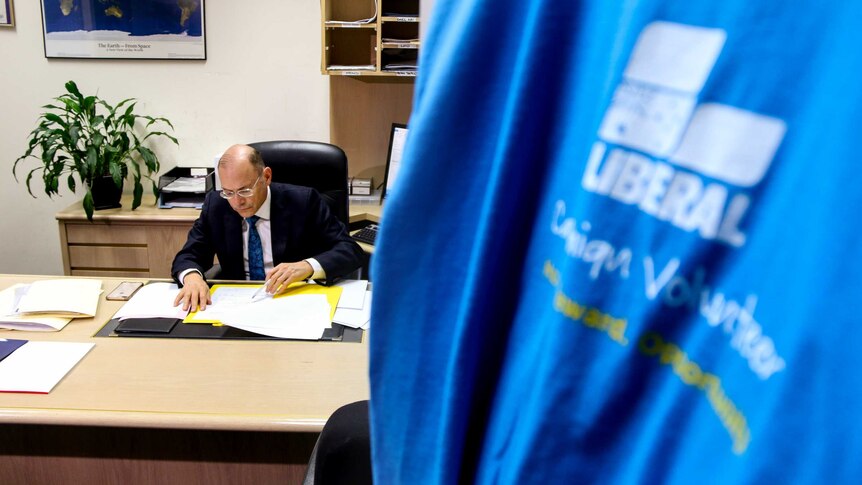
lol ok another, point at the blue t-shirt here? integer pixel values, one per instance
(625, 248)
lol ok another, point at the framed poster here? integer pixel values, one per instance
(124, 29)
(7, 14)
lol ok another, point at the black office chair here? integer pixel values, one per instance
(342, 454)
(320, 166)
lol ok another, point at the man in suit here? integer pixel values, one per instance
(261, 230)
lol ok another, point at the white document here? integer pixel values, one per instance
(154, 300)
(354, 67)
(355, 22)
(226, 299)
(354, 318)
(352, 294)
(38, 366)
(187, 184)
(74, 298)
(297, 317)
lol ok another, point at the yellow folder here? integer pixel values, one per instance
(332, 293)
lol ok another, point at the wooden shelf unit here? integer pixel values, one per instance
(351, 44)
(364, 103)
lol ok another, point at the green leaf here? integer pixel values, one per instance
(117, 174)
(52, 183)
(72, 88)
(137, 193)
(29, 177)
(161, 133)
(127, 100)
(88, 204)
(71, 182)
(90, 105)
(71, 105)
(150, 159)
(92, 162)
(137, 169)
(55, 119)
(74, 134)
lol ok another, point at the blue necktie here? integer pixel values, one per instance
(255, 251)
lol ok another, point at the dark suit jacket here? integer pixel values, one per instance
(301, 225)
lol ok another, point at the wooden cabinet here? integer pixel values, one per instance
(370, 37)
(121, 242)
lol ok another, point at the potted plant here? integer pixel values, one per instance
(88, 142)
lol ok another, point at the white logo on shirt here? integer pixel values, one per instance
(655, 118)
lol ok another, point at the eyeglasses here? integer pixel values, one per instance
(247, 192)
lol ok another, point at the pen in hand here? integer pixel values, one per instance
(254, 297)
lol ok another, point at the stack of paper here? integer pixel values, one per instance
(153, 300)
(354, 307)
(302, 317)
(303, 312)
(37, 366)
(74, 298)
(48, 305)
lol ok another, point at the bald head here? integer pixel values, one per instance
(239, 154)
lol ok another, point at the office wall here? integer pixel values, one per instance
(261, 80)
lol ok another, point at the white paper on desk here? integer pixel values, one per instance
(298, 317)
(67, 297)
(38, 366)
(12, 320)
(352, 317)
(227, 299)
(352, 294)
(154, 300)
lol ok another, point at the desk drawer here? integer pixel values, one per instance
(113, 257)
(105, 234)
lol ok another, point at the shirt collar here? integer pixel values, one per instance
(264, 210)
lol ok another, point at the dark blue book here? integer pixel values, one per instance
(7, 346)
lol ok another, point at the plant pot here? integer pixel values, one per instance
(106, 194)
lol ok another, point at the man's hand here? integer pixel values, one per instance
(286, 273)
(195, 293)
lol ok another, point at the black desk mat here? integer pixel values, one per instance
(338, 333)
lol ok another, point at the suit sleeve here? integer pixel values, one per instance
(339, 254)
(198, 252)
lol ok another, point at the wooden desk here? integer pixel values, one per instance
(140, 243)
(168, 410)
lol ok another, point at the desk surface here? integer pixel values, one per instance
(191, 384)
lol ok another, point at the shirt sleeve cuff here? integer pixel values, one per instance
(318, 274)
(183, 274)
